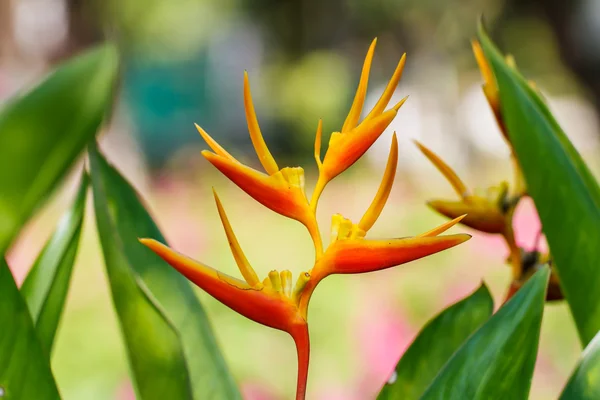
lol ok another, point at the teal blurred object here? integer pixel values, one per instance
(164, 100)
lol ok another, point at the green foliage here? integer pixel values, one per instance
(43, 131)
(170, 344)
(497, 361)
(584, 384)
(24, 366)
(565, 193)
(46, 286)
(436, 343)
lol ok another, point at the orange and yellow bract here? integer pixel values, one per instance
(277, 302)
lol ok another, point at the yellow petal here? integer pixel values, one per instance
(400, 103)
(361, 91)
(264, 155)
(286, 282)
(445, 169)
(480, 215)
(318, 143)
(389, 90)
(484, 66)
(216, 147)
(442, 228)
(383, 192)
(240, 259)
(303, 279)
(275, 280)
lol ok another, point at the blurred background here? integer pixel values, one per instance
(184, 63)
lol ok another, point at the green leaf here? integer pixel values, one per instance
(565, 193)
(497, 361)
(24, 367)
(151, 297)
(46, 286)
(584, 384)
(43, 131)
(436, 343)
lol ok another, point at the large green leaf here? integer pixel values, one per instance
(168, 335)
(565, 193)
(24, 366)
(43, 131)
(46, 286)
(436, 343)
(497, 361)
(584, 384)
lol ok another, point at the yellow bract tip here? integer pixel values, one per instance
(484, 66)
(384, 190)
(442, 228)
(361, 92)
(400, 103)
(389, 90)
(240, 259)
(216, 147)
(318, 143)
(445, 169)
(264, 155)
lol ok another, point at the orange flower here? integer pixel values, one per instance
(350, 253)
(348, 145)
(489, 213)
(281, 190)
(272, 302)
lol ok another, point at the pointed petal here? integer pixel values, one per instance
(264, 155)
(484, 66)
(262, 306)
(240, 258)
(358, 256)
(384, 190)
(400, 103)
(389, 90)
(349, 147)
(216, 147)
(271, 191)
(445, 169)
(361, 91)
(479, 217)
(442, 228)
(318, 143)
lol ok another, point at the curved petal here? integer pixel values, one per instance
(271, 191)
(483, 218)
(349, 147)
(262, 151)
(359, 256)
(383, 192)
(263, 306)
(361, 92)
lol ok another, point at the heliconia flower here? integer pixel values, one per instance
(272, 302)
(350, 253)
(489, 213)
(490, 89)
(354, 139)
(281, 190)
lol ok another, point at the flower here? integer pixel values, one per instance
(272, 302)
(350, 253)
(281, 190)
(354, 139)
(490, 212)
